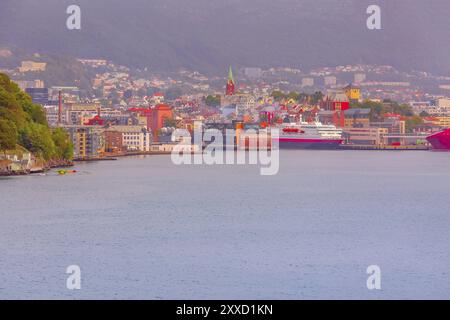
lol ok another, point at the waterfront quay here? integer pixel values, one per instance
(385, 148)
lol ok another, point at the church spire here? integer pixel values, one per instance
(230, 75)
(230, 83)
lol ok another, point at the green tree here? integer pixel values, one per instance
(8, 135)
(63, 144)
(38, 139)
(35, 112)
(10, 107)
(412, 123)
(212, 101)
(278, 95)
(395, 107)
(377, 109)
(25, 123)
(170, 123)
(294, 95)
(173, 93)
(316, 97)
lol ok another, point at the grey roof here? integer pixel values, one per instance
(357, 111)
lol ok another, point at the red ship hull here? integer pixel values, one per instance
(441, 140)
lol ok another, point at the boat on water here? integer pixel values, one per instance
(440, 140)
(305, 135)
(63, 172)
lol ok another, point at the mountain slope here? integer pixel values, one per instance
(208, 35)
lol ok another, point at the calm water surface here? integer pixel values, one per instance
(143, 228)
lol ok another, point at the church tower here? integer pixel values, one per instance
(230, 83)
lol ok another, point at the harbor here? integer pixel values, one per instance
(385, 148)
(314, 228)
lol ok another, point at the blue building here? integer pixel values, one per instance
(38, 95)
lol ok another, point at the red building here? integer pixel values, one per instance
(144, 112)
(336, 102)
(156, 117)
(95, 121)
(161, 113)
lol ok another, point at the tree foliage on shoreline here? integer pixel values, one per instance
(379, 109)
(25, 124)
(299, 97)
(8, 135)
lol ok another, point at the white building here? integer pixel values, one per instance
(24, 84)
(52, 115)
(134, 138)
(253, 73)
(157, 98)
(31, 66)
(330, 81)
(359, 78)
(307, 82)
(169, 147)
(443, 103)
(432, 109)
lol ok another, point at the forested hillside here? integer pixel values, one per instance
(23, 123)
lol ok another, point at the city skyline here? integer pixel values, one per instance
(224, 155)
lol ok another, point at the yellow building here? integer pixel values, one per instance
(439, 121)
(291, 102)
(358, 122)
(443, 121)
(88, 141)
(81, 138)
(353, 93)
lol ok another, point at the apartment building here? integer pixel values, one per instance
(88, 141)
(134, 138)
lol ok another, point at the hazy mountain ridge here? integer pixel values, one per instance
(208, 35)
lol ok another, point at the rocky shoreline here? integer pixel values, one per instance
(48, 165)
(37, 166)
